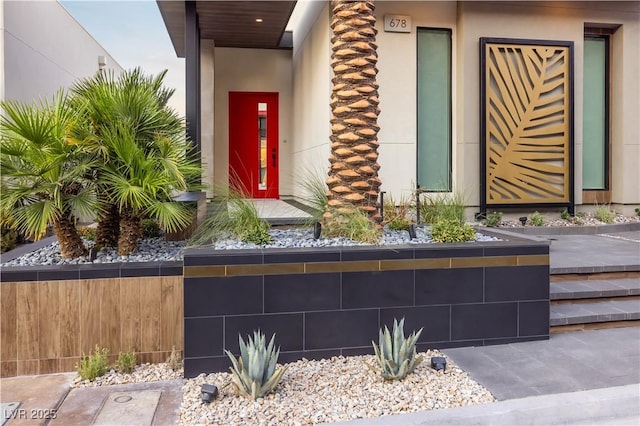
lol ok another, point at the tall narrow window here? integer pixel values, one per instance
(434, 109)
(595, 118)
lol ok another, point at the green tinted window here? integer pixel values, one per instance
(434, 109)
(594, 119)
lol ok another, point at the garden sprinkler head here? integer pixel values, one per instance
(209, 393)
(523, 220)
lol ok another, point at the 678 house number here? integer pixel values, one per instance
(32, 414)
(397, 23)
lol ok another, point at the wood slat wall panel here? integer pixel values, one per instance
(8, 323)
(27, 318)
(130, 313)
(46, 326)
(110, 310)
(172, 314)
(89, 318)
(48, 320)
(151, 297)
(69, 293)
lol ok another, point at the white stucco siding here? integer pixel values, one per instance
(251, 70)
(45, 48)
(468, 22)
(312, 75)
(563, 21)
(397, 77)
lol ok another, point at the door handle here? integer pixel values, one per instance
(273, 157)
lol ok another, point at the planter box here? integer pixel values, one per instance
(327, 302)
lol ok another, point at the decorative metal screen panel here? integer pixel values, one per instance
(526, 120)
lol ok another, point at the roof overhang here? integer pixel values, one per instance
(231, 23)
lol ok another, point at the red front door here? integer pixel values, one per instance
(253, 143)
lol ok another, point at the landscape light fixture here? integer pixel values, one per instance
(209, 393)
(102, 62)
(438, 363)
(258, 20)
(412, 231)
(523, 220)
(317, 230)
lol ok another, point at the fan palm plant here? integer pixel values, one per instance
(44, 171)
(144, 148)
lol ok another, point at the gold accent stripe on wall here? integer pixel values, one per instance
(364, 266)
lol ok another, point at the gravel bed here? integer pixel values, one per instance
(157, 249)
(582, 219)
(332, 390)
(141, 374)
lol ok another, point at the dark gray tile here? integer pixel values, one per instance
(286, 327)
(103, 270)
(301, 292)
(377, 289)
(434, 320)
(300, 255)
(17, 274)
(533, 318)
(376, 253)
(222, 296)
(511, 283)
(455, 250)
(449, 286)
(140, 269)
(340, 329)
(203, 337)
(196, 366)
(484, 321)
(204, 257)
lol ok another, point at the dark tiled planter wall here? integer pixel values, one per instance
(327, 302)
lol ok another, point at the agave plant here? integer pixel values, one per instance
(254, 372)
(397, 355)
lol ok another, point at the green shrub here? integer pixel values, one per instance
(605, 214)
(8, 239)
(399, 224)
(396, 211)
(254, 373)
(88, 232)
(564, 214)
(638, 211)
(493, 219)
(395, 353)
(174, 360)
(452, 231)
(536, 219)
(126, 362)
(240, 220)
(353, 224)
(444, 206)
(315, 187)
(150, 229)
(93, 366)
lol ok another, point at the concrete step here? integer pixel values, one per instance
(590, 289)
(595, 312)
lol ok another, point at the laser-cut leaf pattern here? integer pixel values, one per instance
(527, 124)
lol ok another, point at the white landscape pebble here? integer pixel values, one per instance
(332, 390)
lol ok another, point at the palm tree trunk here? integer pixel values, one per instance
(353, 176)
(108, 227)
(71, 245)
(130, 232)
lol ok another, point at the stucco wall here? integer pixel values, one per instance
(555, 21)
(397, 77)
(45, 48)
(207, 90)
(469, 21)
(311, 95)
(251, 70)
